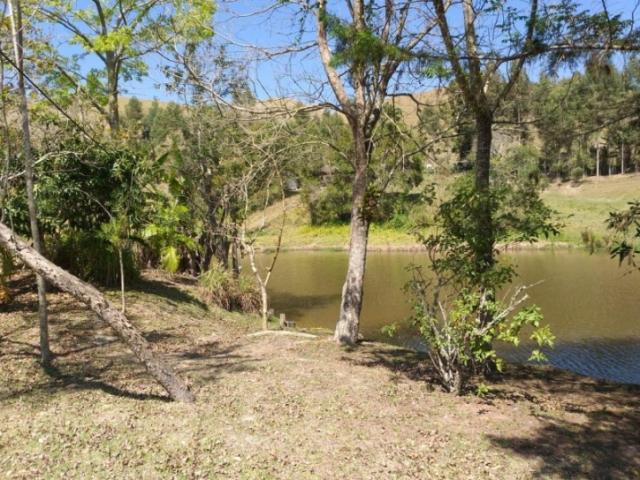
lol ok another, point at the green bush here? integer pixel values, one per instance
(455, 307)
(576, 174)
(331, 204)
(93, 259)
(219, 287)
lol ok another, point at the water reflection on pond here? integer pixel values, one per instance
(590, 303)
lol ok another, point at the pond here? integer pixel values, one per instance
(590, 302)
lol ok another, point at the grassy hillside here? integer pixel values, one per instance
(579, 208)
(586, 206)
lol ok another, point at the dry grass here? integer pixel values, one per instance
(283, 407)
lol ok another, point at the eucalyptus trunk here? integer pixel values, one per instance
(18, 41)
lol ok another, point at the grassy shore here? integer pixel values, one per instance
(280, 407)
(580, 207)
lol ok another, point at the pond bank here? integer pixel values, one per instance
(284, 407)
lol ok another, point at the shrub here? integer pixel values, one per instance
(331, 204)
(460, 338)
(455, 308)
(93, 259)
(219, 287)
(576, 174)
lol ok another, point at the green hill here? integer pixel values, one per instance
(580, 208)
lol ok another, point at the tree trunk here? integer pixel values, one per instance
(17, 37)
(264, 311)
(112, 92)
(221, 247)
(89, 295)
(235, 254)
(122, 298)
(485, 236)
(598, 161)
(486, 242)
(622, 158)
(8, 146)
(352, 292)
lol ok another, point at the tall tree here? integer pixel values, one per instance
(476, 73)
(119, 33)
(369, 46)
(486, 45)
(17, 30)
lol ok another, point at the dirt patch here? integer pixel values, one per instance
(284, 407)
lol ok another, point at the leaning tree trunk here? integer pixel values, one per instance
(18, 41)
(89, 295)
(352, 292)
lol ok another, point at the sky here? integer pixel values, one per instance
(238, 24)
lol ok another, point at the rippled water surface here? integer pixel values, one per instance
(590, 303)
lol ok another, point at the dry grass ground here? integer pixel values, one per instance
(283, 407)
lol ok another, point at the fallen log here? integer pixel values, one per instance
(91, 296)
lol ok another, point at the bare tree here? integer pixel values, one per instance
(247, 242)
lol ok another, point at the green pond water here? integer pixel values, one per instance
(590, 302)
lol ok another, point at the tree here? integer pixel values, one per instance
(134, 114)
(487, 55)
(120, 33)
(475, 71)
(458, 317)
(369, 48)
(17, 29)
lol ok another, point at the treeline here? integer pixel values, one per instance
(561, 127)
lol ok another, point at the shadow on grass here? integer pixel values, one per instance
(65, 381)
(399, 361)
(166, 290)
(83, 383)
(81, 342)
(596, 434)
(587, 428)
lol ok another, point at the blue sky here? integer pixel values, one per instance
(234, 22)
